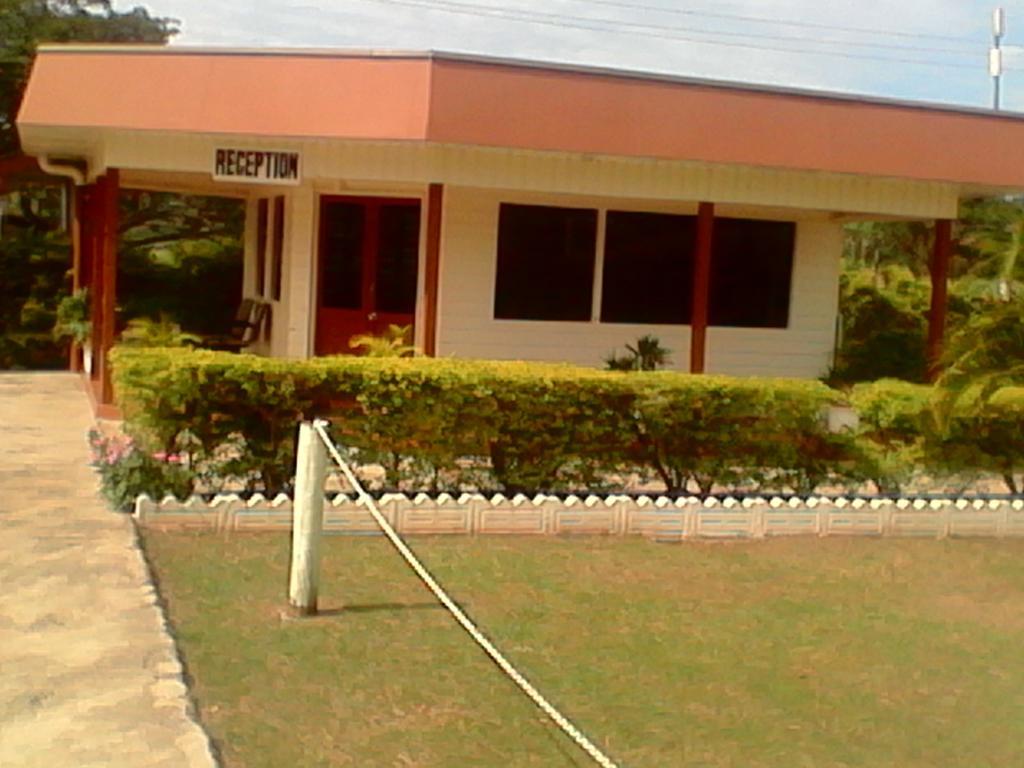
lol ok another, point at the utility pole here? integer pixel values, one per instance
(995, 54)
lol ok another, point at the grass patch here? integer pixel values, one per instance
(781, 653)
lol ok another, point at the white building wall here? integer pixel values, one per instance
(467, 327)
(804, 349)
(293, 315)
(290, 316)
(261, 347)
(404, 163)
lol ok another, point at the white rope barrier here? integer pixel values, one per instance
(464, 621)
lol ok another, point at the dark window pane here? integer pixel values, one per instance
(261, 247)
(277, 253)
(751, 273)
(341, 279)
(545, 262)
(397, 256)
(648, 268)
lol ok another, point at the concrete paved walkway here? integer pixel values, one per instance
(88, 674)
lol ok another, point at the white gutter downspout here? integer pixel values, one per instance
(78, 178)
(77, 175)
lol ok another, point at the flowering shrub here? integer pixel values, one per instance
(126, 470)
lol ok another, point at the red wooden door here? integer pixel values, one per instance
(369, 251)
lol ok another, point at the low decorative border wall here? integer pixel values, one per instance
(657, 517)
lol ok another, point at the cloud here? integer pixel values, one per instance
(756, 49)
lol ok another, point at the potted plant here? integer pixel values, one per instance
(73, 323)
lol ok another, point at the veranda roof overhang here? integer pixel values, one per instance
(81, 100)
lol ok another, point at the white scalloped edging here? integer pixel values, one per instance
(660, 517)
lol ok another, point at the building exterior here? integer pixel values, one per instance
(509, 209)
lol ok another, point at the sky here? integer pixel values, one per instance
(927, 50)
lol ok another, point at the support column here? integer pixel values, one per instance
(295, 316)
(701, 286)
(942, 252)
(77, 278)
(92, 266)
(432, 268)
(109, 189)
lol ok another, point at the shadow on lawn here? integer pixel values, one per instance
(378, 607)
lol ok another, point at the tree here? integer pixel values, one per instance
(180, 256)
(877, 245)
(882, 315)
(885, 291)
(26, 23)
(988, 352)
(34, 253)
(33, 265)
(993, 244)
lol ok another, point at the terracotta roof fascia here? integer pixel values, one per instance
(150, 49)
(767, 89)
(470, 100)
(428, 117)
(528, 64)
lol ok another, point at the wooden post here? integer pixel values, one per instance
(701, 286)
(89, 238)
(941, 254)
(431, 277)
(307, 521)
(75, 230)
(108, 202)
(95, 254)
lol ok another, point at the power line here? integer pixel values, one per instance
(650, 30)
(700, 31)
(751, 35)
(614, 25)
(780, 22)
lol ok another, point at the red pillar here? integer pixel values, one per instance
(109, 189)
(435, 202)
(77, 277)
(701, 286)
(91, 266)
(941, 253)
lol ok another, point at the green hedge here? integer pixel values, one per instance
(442, 424)
(983, 436)
(718, 430)
(894, 416)
(455, 424)
(908, 428)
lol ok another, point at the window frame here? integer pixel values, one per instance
(603, 211)
(277, 249)
(691, 224)
(792, 235)
(262, 236)
(586, 309)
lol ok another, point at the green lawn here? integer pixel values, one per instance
(787, 653)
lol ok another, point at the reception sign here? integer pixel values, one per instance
(257, 166)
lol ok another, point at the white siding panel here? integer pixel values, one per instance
(260, 347)
(553, 172)
(293, 314)
(468, 328)
(804, 349)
